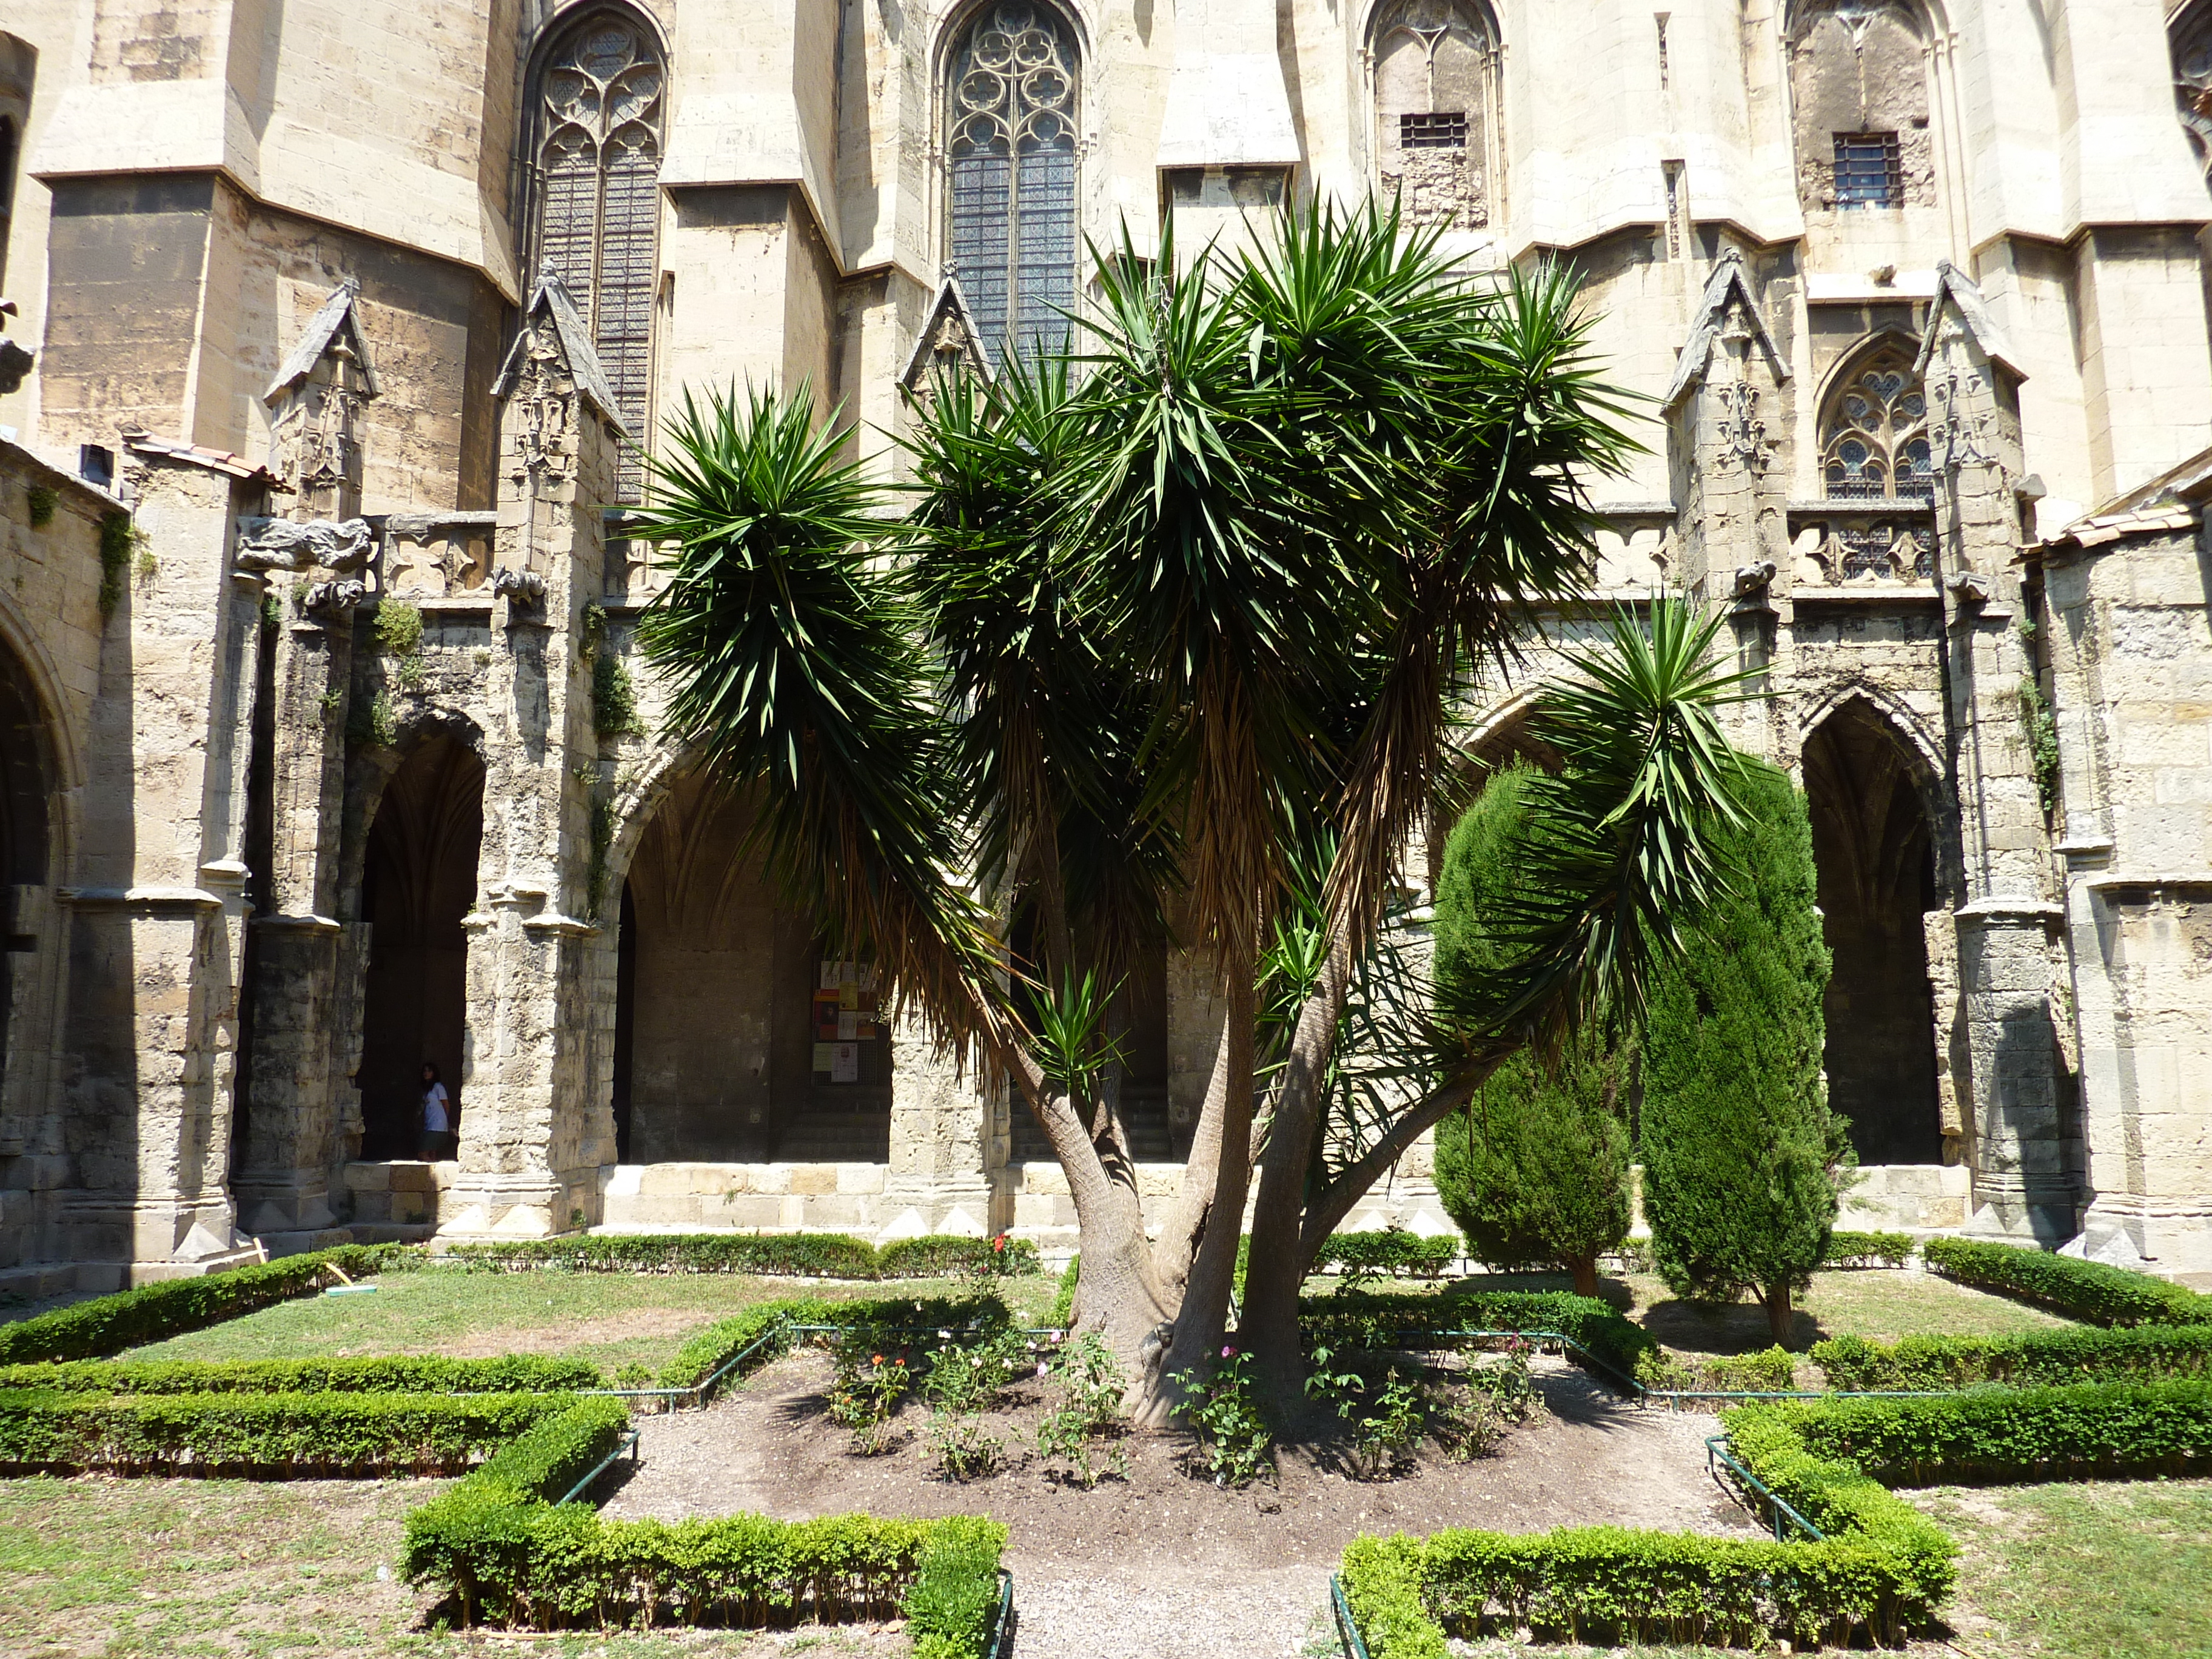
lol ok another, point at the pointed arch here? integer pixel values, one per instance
(1434, 66)
(1875, 855)
(1861, 94)
(596, 111)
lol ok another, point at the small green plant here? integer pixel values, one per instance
(399, 628)
(1090, 1411)
(961, 1448)
(870, 1384)
(614, 698)
(1381, 1437)
(633, 1375)
(602, 841)
(409, 674)
(272, 613)
(331, 700)
(148, 566)
(2041, 728)
(592, 632)
(117, 539)
(41, 498)
(1235, 1445)
(971, 1379)
(374, 724)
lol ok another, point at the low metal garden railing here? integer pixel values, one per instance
(1717, 1457)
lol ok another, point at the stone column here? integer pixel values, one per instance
(1727, 397)
(317, 568)
(2014, 1140)
(153, 928)
(534, 1132)
(937, 1181)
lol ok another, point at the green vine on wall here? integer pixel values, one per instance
(119, 539)
(2041, 726)
(603, 841)
(41, 498)
(399, 635)
(375, 723)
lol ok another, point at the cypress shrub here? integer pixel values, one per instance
(1740, 1149)
(1535, 1169)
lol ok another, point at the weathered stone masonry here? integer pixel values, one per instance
(325, 744)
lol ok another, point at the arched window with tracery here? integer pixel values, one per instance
(1009, 146)
(1874, 447)
(600, 105)
(1434, 109)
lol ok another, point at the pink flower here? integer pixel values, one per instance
(1227, 1352)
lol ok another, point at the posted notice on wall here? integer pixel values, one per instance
(844, 1062)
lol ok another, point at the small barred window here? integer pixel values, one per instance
(1439, 130)
(1869, 171)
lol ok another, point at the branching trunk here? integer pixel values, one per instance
(1269, 1326)
(1205, 1312)
(1184, 1225)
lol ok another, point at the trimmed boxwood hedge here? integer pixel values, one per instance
(387, 1374)
(264, 1434)
(2024, 1359)
(507, 1555)
(2088, 1291)
(1394, 1252)
(814, 1256)
(1881, 1569)
(1867, 1250)
(707, 1351)
(1367, 1319)
(2091, 1429)
(109, 1324)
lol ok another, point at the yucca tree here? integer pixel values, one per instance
(1178, 625)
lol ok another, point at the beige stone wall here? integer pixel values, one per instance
(199, 178)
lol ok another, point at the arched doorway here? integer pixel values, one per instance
(418, 883)
(1873, 853)
(25, 853)
(740, 1036)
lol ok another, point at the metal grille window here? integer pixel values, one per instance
(1868, 171)
(1438, 130)
(601, 104)
(1010, 152)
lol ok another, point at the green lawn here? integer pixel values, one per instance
(103, 1568)
(611, 1319)
(2082, 1571)
(1878, 1302)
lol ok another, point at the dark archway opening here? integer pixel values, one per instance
(24, 854)
(418, 883)
(739, 1034)
(1874, 857)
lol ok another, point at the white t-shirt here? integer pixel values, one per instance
(434, 1109)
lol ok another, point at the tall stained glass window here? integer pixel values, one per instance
(1010, 157)
(601, 107)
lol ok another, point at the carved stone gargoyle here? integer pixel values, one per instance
(521, 587)
(286, 545)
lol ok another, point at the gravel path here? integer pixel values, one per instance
(1162, 1566)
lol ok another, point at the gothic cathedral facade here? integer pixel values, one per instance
(331, 343)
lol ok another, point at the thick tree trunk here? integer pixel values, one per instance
(1780, 1317)
(1184, 1223)
(1204, 1315)
(1269, 1326)
(1585, 1271)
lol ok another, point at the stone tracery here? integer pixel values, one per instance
(602, 103)
(1011, 151)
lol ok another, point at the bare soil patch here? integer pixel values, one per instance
(1140, 1566)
